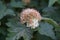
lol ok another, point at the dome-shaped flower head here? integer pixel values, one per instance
(31, 17)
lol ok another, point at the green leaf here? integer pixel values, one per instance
(3, 30)
(33, 4)
(17, 4)
(58, 1)
(51, 2)
(38, 36)
(10, 12)
(7, 12)
(46, 29)
(52, 12)
(2, 9)
(58, 35)
(12, 0)
(52, 22)
(16, 31)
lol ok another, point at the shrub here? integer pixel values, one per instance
(45, 14)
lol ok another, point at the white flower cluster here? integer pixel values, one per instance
(30, 17)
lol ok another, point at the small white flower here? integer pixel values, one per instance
(34, 24)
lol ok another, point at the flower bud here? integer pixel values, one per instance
(26, 1)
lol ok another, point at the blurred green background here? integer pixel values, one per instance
(12, 8)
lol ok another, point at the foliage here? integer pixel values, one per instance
(12, 29)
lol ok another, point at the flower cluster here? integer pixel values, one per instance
(26, 1)
(31, 17)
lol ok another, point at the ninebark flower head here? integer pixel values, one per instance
(26, 1)
(31, 17)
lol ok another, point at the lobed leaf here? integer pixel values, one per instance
(16, 31)
(46, 29)
(7, 12)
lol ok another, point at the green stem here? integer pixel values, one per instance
(51, 21)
